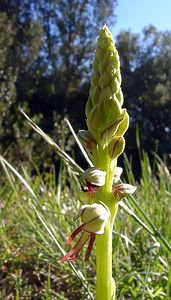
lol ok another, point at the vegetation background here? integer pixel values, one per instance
(46, 51)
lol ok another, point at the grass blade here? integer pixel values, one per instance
(62, 154)
(79, 144)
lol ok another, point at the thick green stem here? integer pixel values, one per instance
(105, 286)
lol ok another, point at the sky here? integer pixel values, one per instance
(136, 14)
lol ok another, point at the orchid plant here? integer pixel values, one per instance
(104, 141)
(102, 144)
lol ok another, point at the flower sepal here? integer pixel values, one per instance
(94, 217)
(87, 140)
(117, 174)
(94, 176)
(109, 130)
(116, 147)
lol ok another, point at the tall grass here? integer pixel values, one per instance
(36, 216)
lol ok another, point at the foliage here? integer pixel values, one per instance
(146, 84)
(30, 251)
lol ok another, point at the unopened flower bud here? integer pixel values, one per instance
(116, 147)
(102, 114)
(94, 176)
(86, 140)
(123, 126)
(110, 129)
(123, 189)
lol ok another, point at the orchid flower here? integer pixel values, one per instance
(94, 218)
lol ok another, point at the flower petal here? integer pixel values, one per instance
(90, 245)
(74, 234)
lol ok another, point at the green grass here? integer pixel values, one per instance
(36, 218)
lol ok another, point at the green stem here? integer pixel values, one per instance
(105, 286)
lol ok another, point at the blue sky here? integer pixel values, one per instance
(136, 14)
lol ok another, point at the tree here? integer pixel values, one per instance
(20, 42)
(147, 81)
(46, 58)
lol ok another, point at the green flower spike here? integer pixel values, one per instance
(107, 122)
(105, 116)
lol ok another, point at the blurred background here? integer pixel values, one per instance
(46, 52)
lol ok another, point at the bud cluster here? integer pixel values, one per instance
(107, 121)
